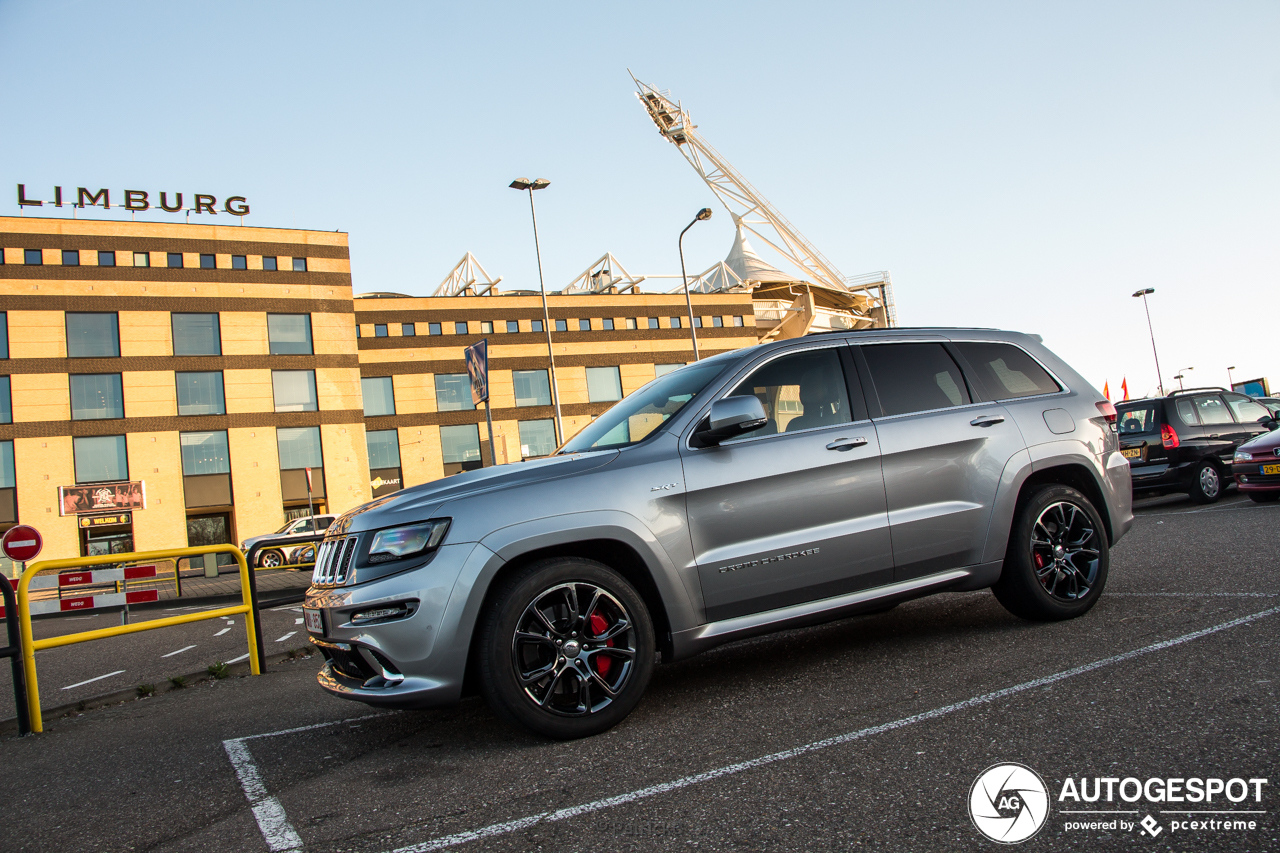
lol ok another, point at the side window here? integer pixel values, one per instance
(800, 391)
(1187, 412)
(914, 378)
(1246, 410)
(1005, 371)
(1212, 411)
(324, 523)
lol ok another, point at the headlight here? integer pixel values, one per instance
(1243, 456)
(398, 543)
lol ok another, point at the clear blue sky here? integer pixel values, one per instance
(1018, 165)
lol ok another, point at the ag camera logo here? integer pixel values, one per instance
(1009, 803)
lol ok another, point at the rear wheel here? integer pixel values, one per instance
(566, 648)
(1056, 563)
(1206, 483)
(271, 560)
(1263, 497)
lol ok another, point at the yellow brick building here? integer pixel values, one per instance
(166, 384)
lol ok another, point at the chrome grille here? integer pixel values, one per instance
(334, 562)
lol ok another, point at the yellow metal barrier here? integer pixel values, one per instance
(30, 646)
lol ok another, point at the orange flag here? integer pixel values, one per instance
(1124, 386)
(1106, 390)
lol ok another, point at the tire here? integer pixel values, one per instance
(1263, 497)
(271, 559)
(529, 630)
(1056, 564)
(1206, 483)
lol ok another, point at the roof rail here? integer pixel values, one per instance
(1195, 390)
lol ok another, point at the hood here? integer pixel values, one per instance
(1266, 441)
(418, 502)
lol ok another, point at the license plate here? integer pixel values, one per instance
(1271, 469)
(1132, 453)
(314, 620)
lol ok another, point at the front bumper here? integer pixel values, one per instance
(417, 661)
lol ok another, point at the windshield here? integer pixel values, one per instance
(635, 417)
(286, 527)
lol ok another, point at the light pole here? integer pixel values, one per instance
(1231, 385)
(702, 216)
(1144, 293)
(1181, 372)
(542, 184)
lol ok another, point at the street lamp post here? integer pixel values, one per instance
(1146, 291)
(1181, 373)
(542, 184)
(1231, 385)
(702, 216)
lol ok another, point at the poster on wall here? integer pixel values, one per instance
(102, 497)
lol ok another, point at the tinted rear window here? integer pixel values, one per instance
(914, 378)
(1006, 372)
(1137, 420)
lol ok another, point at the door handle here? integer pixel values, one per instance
(846, 443)
(986, 420)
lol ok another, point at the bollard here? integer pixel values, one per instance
(211, 565)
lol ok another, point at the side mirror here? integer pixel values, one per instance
(730, 417)
(1271, 423)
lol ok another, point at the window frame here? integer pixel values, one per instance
(311, 340)
(872, 398)
(408, 330)
(315, 391)
(617, 370)
(107, 255)
(516, 399)
(390, 382)
(173, 332)
(222, 385)
(239, 262)
(275, 263)
(171, 256)
(978, 391)
(380, 330)
(75, 473)
(212, 261)
(66, 318)
(144, 257)
(299, 267)
(71, 257)
(28, 254)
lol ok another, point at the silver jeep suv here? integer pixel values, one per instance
(773, 487)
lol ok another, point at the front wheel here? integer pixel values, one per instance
(1206, 483)
(1056, 563)
(566, 648)
(271, 560)
(1263, 497)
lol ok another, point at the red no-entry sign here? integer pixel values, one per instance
(21, 543)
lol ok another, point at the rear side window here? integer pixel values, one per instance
(1137, 420)
(1212, 410)
(914, 378)
(1187, 412)
(1005, 371)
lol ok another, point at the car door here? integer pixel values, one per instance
(942, 454)
(794, 511)
(1221, 432)
(1250, 418)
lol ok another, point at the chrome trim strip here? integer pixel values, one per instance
(806, 538)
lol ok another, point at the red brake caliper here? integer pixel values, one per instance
(1039, 560)
(598, 627)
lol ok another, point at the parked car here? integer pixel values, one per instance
(1257, 467)
(303, 555)
(1184, 442)
(275, 557)
(1272, 404)
(782, 485)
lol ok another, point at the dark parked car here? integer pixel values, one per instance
(1184, 442)
(1257, 468)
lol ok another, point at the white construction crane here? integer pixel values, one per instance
(751, 211)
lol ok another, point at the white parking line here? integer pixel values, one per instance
(223, 631)
(281, 836)
(297, 621)
(237, 660)
(286, 636)
(179, 651)
(91, 680)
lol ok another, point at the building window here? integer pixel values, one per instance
(584, 325)
(607, 324)
(142, 259)
(106, 259)
(4, 334)
(33, 257)
(433, 329)
(384, 448)
(676, 322)
(717, 322)
(537, 438)
(531, 387)
(379, 396)
(294, 390)
(6, 401)
(408, 330)
(8, 485)
(70, 258)
(205, 453)
(453, 392)
(196, 334)
(459, 328)
(604, 384)
(379, 330)
(513, 326)
(536, 326)
(486, 327)
(664, 369)
(269, 263)
(357, 330)
(175, 260)
(93, 335)
(653, 322)
(239, 262)
(737, 321)
(697, 322)
(96, 396)
(299, 448)
(201, 393)
(289, 334)
(460, 446)
(208, 262)
(632, 323)
(562, 325)
(100, 458)
(299, 264)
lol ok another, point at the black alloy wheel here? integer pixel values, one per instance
(1056, 563)
(566, 648)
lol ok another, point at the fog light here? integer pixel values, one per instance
(385, 613)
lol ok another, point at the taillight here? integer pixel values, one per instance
(1108, 410)
(1168, 437)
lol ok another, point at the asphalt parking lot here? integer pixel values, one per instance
(865, 734)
